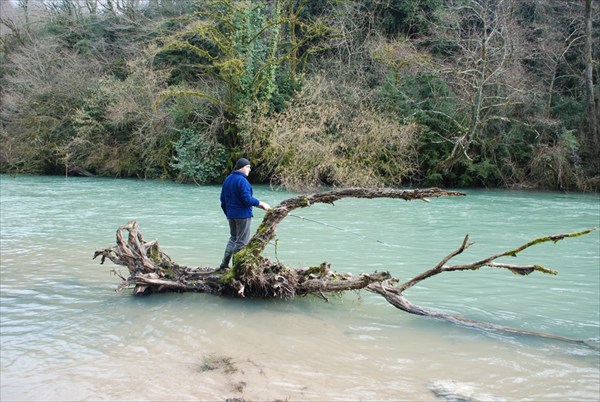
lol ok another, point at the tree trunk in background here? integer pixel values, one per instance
(592, 117)
(484, 74)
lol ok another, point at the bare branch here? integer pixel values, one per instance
(266, 232)
(518, 269)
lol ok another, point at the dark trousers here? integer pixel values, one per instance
(239, 230)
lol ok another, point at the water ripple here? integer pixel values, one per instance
(65, 334)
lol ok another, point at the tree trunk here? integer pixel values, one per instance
(592, 117)
(253, 275)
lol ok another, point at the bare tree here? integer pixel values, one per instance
(561, 48)
(546, 46)
(482, 65)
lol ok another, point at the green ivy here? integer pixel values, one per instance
(196, 158)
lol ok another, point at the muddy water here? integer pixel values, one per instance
(65, 334)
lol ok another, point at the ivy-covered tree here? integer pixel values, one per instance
(250, 47)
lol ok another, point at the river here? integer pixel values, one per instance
(66, 335)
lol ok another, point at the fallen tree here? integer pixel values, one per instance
(253, 275)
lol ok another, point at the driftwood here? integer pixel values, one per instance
(253, 275)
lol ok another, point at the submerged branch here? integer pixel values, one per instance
(397, 300)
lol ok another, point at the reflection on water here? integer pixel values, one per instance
(65, 334)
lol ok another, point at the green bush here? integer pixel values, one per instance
(197, 158)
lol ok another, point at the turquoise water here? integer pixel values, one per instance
(66, 335)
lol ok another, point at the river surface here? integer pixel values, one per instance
(66, 335)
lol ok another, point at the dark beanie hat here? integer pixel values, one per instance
(241, 163)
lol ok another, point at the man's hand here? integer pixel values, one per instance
(264, 205)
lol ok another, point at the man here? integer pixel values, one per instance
(237, 201)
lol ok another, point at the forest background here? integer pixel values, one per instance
(454, 93)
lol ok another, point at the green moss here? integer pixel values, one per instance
(154, 254)
(227, 277)
(317, 270)
(245, 263)
(552, 238)
(545, 270)
(262, 228)
(169, 272)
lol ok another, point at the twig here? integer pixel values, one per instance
(518, 269)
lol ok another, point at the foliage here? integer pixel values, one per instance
(556, 166)
(41, 94)
(407, 17)
(334, 136)
(197, 158)
(103, 125)
(342, 92)
(242, 45)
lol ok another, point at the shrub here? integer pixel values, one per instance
(332, 135)
(558, 165)
(197, 158)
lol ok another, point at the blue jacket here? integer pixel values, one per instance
(236, 196)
